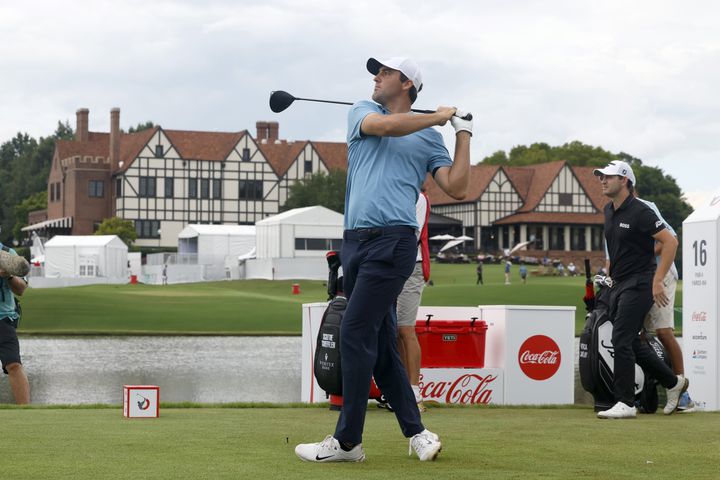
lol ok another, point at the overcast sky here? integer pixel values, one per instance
(635, 76)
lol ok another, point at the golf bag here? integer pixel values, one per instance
(596, 359)
(326, 363)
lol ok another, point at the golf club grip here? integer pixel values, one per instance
(587, 268)
(466, 117)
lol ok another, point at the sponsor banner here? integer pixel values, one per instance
(535, 346)
(467, 386)
(700, 309)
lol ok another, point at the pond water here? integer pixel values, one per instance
(83, 370)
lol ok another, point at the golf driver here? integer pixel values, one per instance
(280, 101)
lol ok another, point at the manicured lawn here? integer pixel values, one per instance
(264, 307)
(234, 443)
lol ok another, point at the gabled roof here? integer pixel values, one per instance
(333, 154)
(281, 155)
(131, 144)
(543, 176)
(192, 145)
(480, 177)
(592, 186)
(314, 215)
(85, 240)
(521, 178)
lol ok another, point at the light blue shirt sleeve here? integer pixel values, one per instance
(357, 114)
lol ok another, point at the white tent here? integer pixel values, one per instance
(300, 232)
(74, 256)
(214, 243)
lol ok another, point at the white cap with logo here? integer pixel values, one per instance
(616, 167)
(404, 64)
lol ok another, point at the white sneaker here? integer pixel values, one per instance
(673, 395)
(426, 445)
(329, 451)
(619, 410)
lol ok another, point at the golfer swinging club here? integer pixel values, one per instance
(390, 152)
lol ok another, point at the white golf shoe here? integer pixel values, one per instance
(673, 395)
(329, 451)
(619, 410)
(426, 444)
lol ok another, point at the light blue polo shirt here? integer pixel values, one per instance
(7, 299)
(385, 173)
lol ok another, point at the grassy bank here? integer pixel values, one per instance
(478, 442)
(262, 307)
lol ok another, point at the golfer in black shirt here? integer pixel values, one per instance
(631, 229)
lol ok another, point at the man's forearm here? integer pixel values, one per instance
(667, 255)
(459, 174)
(17, 285)
(399, 124)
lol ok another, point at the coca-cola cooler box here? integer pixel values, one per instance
(448, 343)
(443, 385)
(528, 359)
(535, 346)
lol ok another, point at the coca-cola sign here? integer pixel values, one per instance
(539, 357)
(480, 386)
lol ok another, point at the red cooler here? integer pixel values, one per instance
(452, 343)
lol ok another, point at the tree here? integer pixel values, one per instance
(36, 201)
(141, 126)
(24, 168)
(326, 189)
(120, 227)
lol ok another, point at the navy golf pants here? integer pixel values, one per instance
(630, 301)
(376, 263)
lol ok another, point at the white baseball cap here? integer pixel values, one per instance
(406, 65)
(616, 167)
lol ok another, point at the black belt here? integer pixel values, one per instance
(365, 234)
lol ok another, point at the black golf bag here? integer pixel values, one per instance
(326, 364)
(596, 359)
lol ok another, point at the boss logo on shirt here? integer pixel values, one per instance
(624, 225)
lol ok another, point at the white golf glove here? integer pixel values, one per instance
(459, 124)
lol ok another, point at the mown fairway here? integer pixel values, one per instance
(259, 306)
(258, 443)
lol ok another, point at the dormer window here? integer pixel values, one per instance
(159, 151)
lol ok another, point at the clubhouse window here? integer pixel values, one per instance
(147, 187)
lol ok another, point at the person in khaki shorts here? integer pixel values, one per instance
(408, 303)
(661, 320)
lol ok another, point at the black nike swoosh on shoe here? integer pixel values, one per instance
(320, 459)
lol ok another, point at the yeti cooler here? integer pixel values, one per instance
(451, 343)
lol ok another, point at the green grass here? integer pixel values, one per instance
(478, 442)
(263, 307)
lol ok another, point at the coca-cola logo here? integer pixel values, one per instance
(539, 357)
(469, 388)
(699, 317)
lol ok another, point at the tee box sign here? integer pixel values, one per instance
(141, 401)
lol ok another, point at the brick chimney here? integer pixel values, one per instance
(81, 128)
(273, 131)
(262, 131)
(115, 138)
